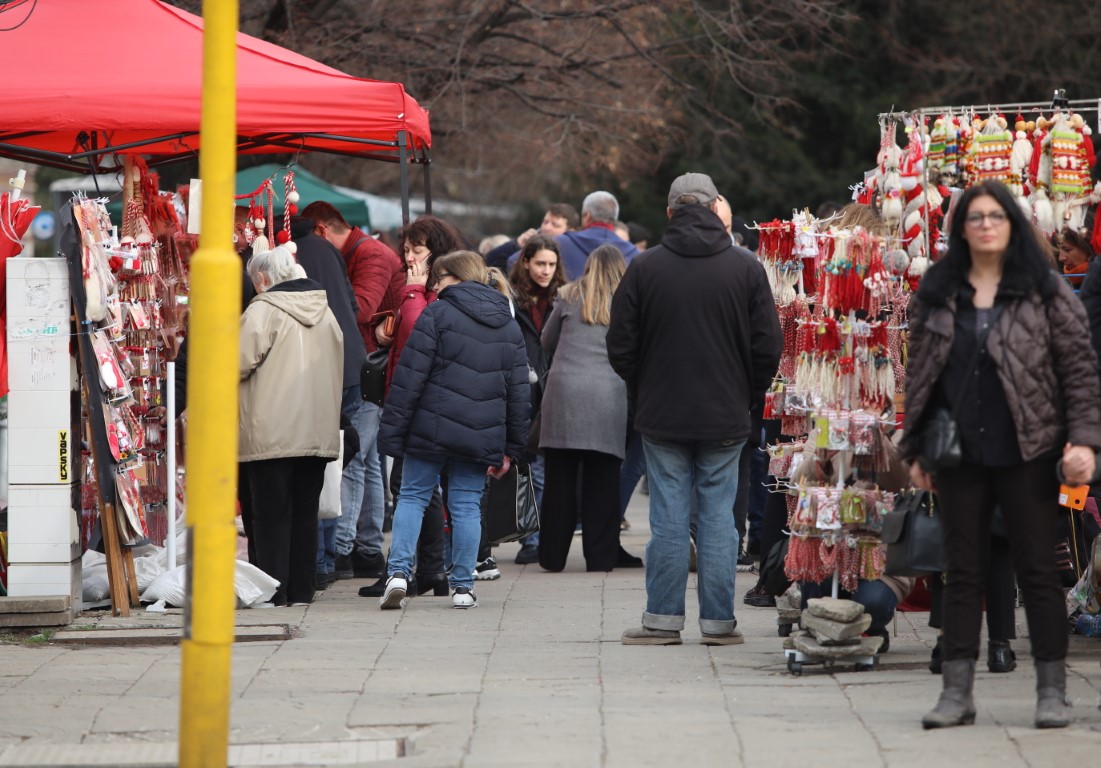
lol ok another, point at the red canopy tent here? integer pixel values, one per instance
(124, 76)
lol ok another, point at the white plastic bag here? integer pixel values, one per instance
(329, 504)
(252, 585)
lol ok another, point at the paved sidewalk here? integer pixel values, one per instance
(535, 676)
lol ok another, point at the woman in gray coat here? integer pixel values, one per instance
(584, 422)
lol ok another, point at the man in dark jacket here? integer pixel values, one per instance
(696, 336)
(323, 264)
(377, 278)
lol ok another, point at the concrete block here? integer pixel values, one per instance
(40, 409)
(37, 288)
(33, 604)
(46, 579)
(43, 456)
(43, 524)
(41, 364)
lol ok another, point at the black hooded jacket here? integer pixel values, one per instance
(461, 386)
(324, 264)
(695, 333)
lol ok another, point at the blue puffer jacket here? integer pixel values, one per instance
(461, 385)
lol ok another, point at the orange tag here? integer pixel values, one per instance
(1073, 496)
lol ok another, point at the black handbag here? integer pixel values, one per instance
(372, 376)
(773, 580)
(940, 439)
(914, 537)
(509, 509)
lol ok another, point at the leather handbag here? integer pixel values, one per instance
(914, 536)
(509, 509)
(372, 377)
(940, 438)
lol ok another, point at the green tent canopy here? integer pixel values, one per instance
(310, 188)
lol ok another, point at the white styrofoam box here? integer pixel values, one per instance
(43, 409)
(45, 580)
(38, 288)
(41, 364)
(35, 456)
(43, 525)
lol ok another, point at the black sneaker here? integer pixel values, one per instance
(325, 580)
(487, 570)
(745, 563)
(344, 566)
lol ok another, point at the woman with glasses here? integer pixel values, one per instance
(996, 347)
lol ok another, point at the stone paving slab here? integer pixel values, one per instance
(162, 636)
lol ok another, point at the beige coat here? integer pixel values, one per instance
(292, 369)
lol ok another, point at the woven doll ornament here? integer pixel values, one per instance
(991, 152)
(1020, 157)
(888, 177)
(1066, 158)
(934, 159)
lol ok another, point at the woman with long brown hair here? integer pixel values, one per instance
(584, 421)
(536, 277)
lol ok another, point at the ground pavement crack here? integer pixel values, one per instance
(863, 723)
(485, 670)
(117, 697)
(727, 705)
(600, 672)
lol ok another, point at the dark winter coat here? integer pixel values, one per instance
(461, 386)
(1046, 368)
(695, 332)
(537, 357)
(1090, 294)
(324, 265)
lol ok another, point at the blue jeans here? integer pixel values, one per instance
(634, 467)
(675, 471)
(466, 482)
(878, 599)
(327, 529)
(326, 545)
(362, 500)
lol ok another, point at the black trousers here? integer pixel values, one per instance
(598, 512)
(244, 498)
(285, 494)
(1028, 496)
(1001, 594)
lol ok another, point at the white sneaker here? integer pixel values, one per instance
(464, 598)
(487, 570)
(394, 596)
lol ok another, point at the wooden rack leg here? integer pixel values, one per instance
(131, 576)
(116, 575)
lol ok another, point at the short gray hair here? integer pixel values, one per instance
(278, 265)
(601, 206)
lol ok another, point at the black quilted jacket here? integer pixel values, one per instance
(1045, 363)
(461, 386)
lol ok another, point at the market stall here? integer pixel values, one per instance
(132, 112)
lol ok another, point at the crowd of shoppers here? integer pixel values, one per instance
(579, 365)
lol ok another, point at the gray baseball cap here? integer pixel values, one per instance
(697, 185)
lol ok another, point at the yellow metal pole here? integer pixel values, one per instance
(212, 411)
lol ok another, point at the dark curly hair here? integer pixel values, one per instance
(525, 288)
(439, 236)
(1027, 266)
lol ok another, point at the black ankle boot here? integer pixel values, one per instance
(1000, 657)
(374, 590)
(436, 583)
(935, 661)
